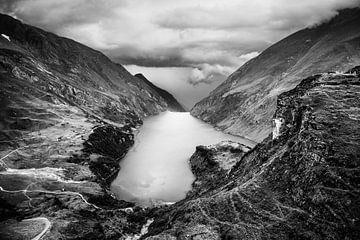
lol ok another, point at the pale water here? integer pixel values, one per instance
(156, 169)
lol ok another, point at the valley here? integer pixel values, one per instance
(89, 151)
(67, 118)
(299, 184)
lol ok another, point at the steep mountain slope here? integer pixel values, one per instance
(245, 103)
(301, 182)
(66, 119)
(173, 104)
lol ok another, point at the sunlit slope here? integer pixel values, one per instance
(245, 103)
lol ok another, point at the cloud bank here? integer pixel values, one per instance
(213, 37)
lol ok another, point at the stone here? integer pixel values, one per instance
(303, 184)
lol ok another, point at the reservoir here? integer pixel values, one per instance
(156, 168)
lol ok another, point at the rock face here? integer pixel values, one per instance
(212, 164)
(173, 104)
(66, 119)
(302, 183)
(245, 103)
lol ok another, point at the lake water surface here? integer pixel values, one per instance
(156, 169)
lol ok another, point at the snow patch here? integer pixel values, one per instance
(6, 37)
(144, 230)
(277, 125)
(48, 173)
(337, 73)
(42, 68)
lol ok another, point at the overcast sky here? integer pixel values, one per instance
(186, 46)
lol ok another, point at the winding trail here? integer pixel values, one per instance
(2, 162)
(50, 192)
(25, 191)
(45, 221)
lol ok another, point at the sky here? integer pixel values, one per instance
(187, 47)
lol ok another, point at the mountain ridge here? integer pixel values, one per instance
(301, 182)
(67, 118)
(245, 102)
(174, 105)
(66, 121)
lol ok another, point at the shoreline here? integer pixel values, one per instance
(117, 189)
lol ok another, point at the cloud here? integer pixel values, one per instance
(211, 36)
(246, 57)
(7, 6)
(208, 74)
(185, 46)
(234, 15)
(62, 13)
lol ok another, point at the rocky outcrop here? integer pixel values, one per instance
(245, 103)
(107, 146)
(67, 116)
(66, 119)
(173, 104)
(212, 164)
(300, 184)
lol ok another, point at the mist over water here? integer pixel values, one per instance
(156, 168)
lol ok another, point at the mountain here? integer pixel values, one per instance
(246, 101)
(301, 182)
(67, 116)
(173, 104)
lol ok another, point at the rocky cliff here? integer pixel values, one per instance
(245, 103)
(301, 182)
(173, 104)
(66, 119)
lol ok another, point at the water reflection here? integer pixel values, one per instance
(156, 168)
